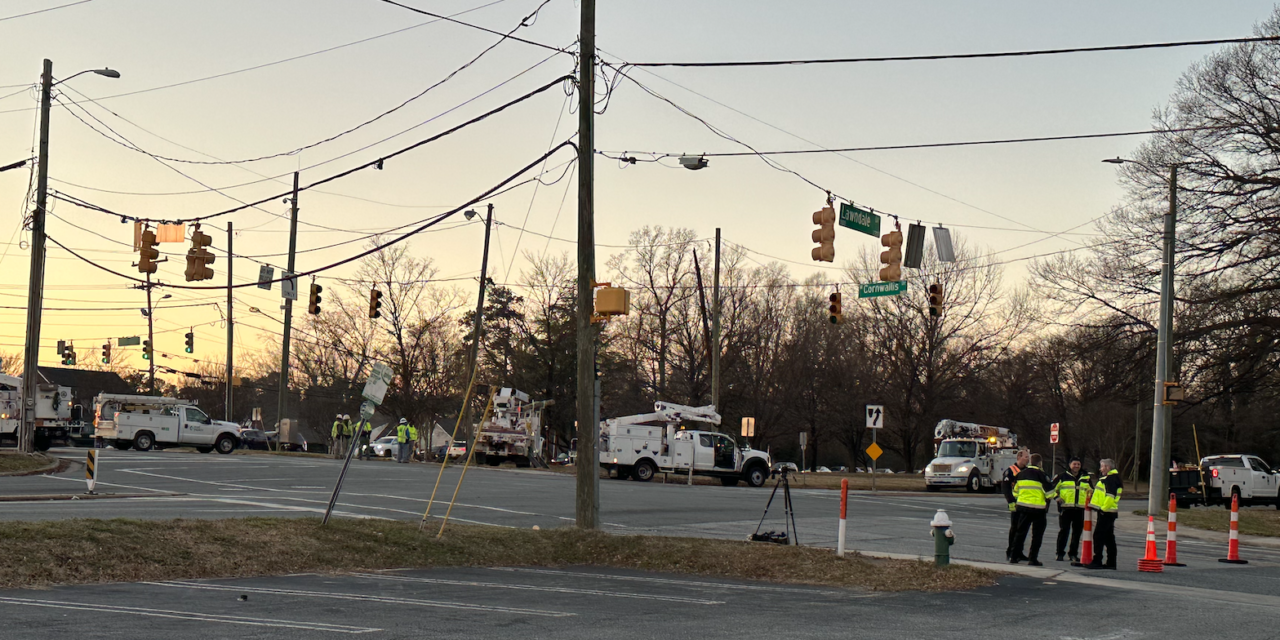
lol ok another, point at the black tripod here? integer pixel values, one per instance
(789, 535)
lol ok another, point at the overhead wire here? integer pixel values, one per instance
(46, 10)
(478, 27)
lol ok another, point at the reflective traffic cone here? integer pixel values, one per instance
(1233, 542)
(1171, 539)
(1151, 563)
(1086, 540)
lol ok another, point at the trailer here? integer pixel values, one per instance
(634, 447)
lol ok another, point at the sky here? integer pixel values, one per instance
(1007, 199)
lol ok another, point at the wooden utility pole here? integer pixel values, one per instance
(474, 357)
(35, 292)
(587, 503)
(715, 330)
(229, 415)
(283, 402)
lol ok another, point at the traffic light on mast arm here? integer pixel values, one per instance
(148, 253)
(892, 258)
(375, 303)
(824, 235)
(191, 342)
(199, 257)
(313, 303)
(935, 300)
(836, 314)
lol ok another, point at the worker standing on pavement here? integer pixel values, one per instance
(1106, 501)
(402, 441)
(1033, 490)
(413, 442)
(1073, 486)
(363, 430)
(336, 435)
(1006, 487)
(346, 434)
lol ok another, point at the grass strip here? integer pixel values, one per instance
(84, 551)
(1254, 521)
(21, 462)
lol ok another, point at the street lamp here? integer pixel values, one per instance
(1162, 416)
(35, 289)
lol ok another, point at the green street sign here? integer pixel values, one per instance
(877, 289)
(859, 220)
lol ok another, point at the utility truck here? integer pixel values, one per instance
(512, 432)
(968, 455)
(1246, 476)
(641, 446)
(54, 414)
(149, 422)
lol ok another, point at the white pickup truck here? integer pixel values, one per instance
(148, 422)
(632, 449)
(1248, 476)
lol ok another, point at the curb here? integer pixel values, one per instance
(52, 466)
(83, 496)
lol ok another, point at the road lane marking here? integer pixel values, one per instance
(365, 598)
(530, 587)
(188, 615)
(682, 583)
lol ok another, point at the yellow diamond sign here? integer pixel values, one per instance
(874, 451)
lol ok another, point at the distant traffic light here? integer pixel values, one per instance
(892, 258)
(313, 304)
(935, 300)
(106, 353)
(199, 257)
(148, 253)
(62, 349)
(146, 349)
(69, 355)
(191, 342)
(375, 303)
(836, 314)
(824, 235)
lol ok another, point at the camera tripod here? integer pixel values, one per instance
(789, 535)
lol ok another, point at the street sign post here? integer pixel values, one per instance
(375, 389)
(1053, 440)
(877, 289)
(859, 220)
(875, 422)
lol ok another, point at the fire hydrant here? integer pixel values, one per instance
(943, 538)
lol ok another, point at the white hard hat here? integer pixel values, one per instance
(346, 416)
(403, 421)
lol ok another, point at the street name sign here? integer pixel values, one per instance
(877, 289)
(859, 219)
(129, 342)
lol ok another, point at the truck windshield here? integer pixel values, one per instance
(952, 449)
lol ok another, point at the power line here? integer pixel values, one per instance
(959, 56)
(32, 13)
(484, 29)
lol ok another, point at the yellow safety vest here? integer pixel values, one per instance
(1029, 490)
(1074, 492)
(413, 433)
(402, 433)
(1103, 501)
(346, 428)
(337, 425)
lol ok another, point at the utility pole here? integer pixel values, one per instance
(474, 357)
(1137, 443)
(715, 329)
(587, 502)
(231, 331)
(1162, 415)
(283, 402)
(35, 290)
(151, 337)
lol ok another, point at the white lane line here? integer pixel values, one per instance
(80, 481)
(682, 583)
(530, 587)
(212, 482)
(188, 615)
(365, 598)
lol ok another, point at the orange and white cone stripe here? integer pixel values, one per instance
(1233, 541)
(1086, 538)
(1151, 562)
(1171, 538)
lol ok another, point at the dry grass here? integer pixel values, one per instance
(96, 551)
(16, 463)
(1257, 521)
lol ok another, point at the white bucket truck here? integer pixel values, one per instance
(968, 455)
(632, 448)
(148, 422)
(513, 431)
(53, 409)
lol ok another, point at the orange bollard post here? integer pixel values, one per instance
(1086, 538)
(844, 507)
(1233, 541)
(1171, 538)
(1151, 562)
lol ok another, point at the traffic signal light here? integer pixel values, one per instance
(146, 349)
(148, 253)
(892, 258)
(191, 342)
(935, 300)
(106, 353)
(199, 257)
(69, 355)
(313, 305)
(836, 315)
(824, 235)
(375, 303)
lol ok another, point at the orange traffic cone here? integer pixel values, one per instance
(1171, 539)
(1151, 563)
(1233, 541)
(1086, 540)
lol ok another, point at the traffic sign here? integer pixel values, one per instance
(874, 451)
(289, 287)
(366, 410)
(859, 220)
(875, 416)
(129, 342)
(1053, 433)
(375, 388)
(877, 289)
(748, 427)
(804, 439)
(265, 276)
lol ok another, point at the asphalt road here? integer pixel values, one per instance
(212, 486)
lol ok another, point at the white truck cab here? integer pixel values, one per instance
(630, 448)
(1247, 476)
(147, 422)
(969, 455)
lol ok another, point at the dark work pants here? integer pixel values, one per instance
(1014, 519)
(1070, 524)
(1033, 520)
(1104, 539)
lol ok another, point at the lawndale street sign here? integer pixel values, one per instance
(859, 220)
(877, 289)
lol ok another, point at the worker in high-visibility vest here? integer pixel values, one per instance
(1006, 487)
(1033, 490)
(335, 435)
(344, 435)
(413, 441)
(1073, 486)
(1106, 501)
(403, 442)
(363, 430)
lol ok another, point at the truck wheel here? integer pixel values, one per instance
(43, 443)
(757, 475)
(122, 445)
(729, 481)
(143, 441)
(522, 462)
(932, 488)
(493, 461)
(204, 449)
(225, 444)
(644, 471)
(974, 484)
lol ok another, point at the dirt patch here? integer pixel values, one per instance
(96, 551)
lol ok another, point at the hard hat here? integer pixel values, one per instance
(346, 416)
(403, 421)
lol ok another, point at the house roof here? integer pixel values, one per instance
(86, 383)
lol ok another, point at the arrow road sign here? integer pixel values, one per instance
(875, 416)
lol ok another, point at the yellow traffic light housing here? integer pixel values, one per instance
(375, 304)
(935, 300)
(892, 257)
(835, 313)
(313, 303)
(148, 253)
(824, 235)
(199, 257)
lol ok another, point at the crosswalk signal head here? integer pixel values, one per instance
(148, 253)
(835, 313)
(191, 342)
(935, 300)
(146, 349)
(313, 303)
(199, 257)
(824, 235)
(375, 304)
(892, 257)
(106, 353)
